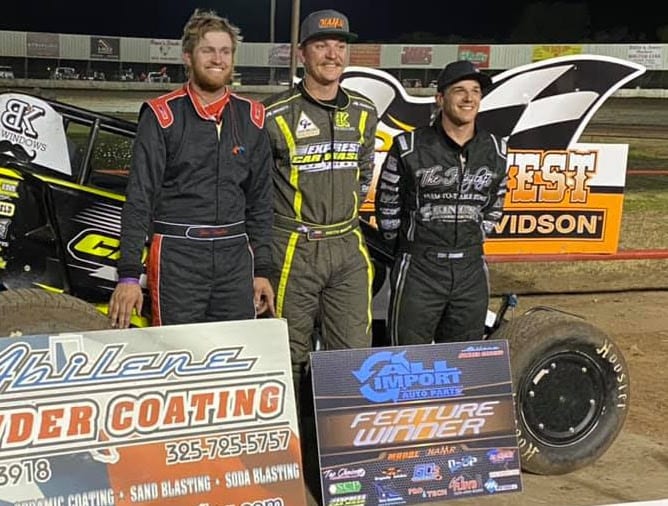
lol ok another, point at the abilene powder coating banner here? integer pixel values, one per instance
(183, 415)
(415, 424)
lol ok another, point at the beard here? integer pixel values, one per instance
(211, 82)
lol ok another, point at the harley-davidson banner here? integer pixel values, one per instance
(184, 415)
(564, 195)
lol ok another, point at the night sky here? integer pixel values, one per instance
(373, 20)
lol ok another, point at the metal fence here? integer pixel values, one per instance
(38, 54)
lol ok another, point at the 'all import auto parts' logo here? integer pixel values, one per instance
(387, 376)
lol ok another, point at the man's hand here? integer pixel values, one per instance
(264, 296)
(126, 297)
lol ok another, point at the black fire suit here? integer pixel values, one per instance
(437, 200)
(322, 269)
(202, 189)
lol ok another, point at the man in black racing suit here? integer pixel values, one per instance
(201, 182)
(440, 191)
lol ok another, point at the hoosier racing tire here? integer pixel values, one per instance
(27, 311)
(571, 386)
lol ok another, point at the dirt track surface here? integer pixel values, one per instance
(636, 466)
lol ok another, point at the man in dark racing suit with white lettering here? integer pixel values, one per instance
(201, 180)
(439, 193)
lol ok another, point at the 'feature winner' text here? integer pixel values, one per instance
(421, 423)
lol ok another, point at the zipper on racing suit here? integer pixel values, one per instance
(461, 171)
(332, 114)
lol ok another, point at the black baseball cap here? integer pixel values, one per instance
(460, 70)
(326, 23)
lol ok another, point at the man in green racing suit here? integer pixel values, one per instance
(322, 139)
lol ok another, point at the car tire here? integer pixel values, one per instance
(28, 311)
(571, 386)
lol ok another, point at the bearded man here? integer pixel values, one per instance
(200, 189)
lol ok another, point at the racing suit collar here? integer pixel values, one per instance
(342, 98)
(438, 126)
(199, 107)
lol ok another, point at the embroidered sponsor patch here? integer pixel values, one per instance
(4, 228)
(390, 177)
(257, 114)
(306, 127)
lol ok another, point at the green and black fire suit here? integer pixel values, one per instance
(321, 266)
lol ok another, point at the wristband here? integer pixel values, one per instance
(128, 281)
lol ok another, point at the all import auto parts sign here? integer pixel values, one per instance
(415, 424)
